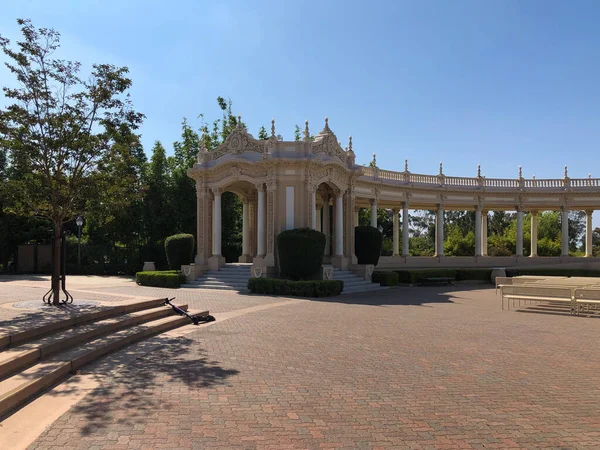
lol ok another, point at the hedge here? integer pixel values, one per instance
(385, 278)
(413, 276)
(315, 288)
(367, 245)
(300, 253)
(179, 249)
(474, 274)
(554, 272)
(166, 278)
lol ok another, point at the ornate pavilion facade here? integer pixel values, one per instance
(317, 183)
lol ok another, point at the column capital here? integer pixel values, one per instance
(589, 212)
(245, 200)
(272, 185)
(216, 191)
(373, 201)
(259, 186)
(395, 210)
(533, 212)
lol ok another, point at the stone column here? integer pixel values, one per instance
(216, 261)
(203, 224)
(534, 233)
(245, 232)
(519, 232)
(313, 206)
(374, 213)
(339, 224)
(405, 229)
(217, 223)
(327, 224)
(439, 231)
(356, 217)
(484, 234)
(260, 245)
(396, 251)
(565, 230)
(478, 224)
(588, 233)
(319, 218)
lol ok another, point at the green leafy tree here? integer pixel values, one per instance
(61, 125)
(262, 134)
(297, 134)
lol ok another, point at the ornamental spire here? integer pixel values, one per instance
(441, 169)
(326, 128)
(520, 172)
(406, 165)
(239, 123)
(566, 172)
(374, 162)
(478, 170)
(272, 127)
(306, 132)
(350, 144)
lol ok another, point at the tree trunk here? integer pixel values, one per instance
(56, 263)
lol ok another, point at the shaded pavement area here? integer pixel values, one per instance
(423, 367)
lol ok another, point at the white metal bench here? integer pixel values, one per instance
(538, 293)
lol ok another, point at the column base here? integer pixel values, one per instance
(245, 259)
(215, 262)
(533, 256)
(339, 262)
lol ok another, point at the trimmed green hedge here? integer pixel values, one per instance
(166, 278)
(554, 272)
(316, 288)
(179, 249)
(367, 245)
(413, 276)
(300, 253)
(385, 278)
(474, 274)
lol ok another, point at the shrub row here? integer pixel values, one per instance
(413, 276)
(386, 278)
(165, 278)
(316, 288)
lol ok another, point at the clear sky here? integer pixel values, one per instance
(497, 83)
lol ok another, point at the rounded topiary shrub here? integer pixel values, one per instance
(179, 249)
(367, 245)
(300, 253)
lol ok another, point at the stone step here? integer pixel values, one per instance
(216, 288)
(225, 276)
(18, 388)
(19, 337)
(16, 358)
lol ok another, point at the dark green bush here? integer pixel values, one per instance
(385, 278)
(179, 249)
(474, 274)
(413, 276)
(314, 288)
(367, 245)
(166, 279)
(300, 253)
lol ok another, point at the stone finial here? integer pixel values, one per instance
(520, 172)
(374, 162)
(272, 127)
(406, 165)
(534, 177)
(441, 169)
(306, 132)
(350, 144)
(566, 172)
(203, 142)
(589, 175)
(326, 128)
(478, 170)
(239, 123)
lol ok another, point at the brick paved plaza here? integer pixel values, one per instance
(438, 367)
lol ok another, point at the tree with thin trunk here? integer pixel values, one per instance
(61, 126)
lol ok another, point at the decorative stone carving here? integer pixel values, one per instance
(270, 218)
(326, 142)
(327, 272)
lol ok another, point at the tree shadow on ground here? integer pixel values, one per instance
(136, 381)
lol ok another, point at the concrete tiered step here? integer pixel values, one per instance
(354, 283)
(34, 360)
(232, 277)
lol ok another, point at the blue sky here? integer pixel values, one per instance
(466, 82)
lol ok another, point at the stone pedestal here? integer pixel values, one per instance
(215, 262)
(364, 271)
(327, 272)
(245, 259)
(189, 272)
(339, 262)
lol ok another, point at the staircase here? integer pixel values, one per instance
(35, 359)
(232, 277)
(354, 283)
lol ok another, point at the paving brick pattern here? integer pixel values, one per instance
(430, 368)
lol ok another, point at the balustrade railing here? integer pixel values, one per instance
(478, 182)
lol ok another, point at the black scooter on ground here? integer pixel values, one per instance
(195, 319)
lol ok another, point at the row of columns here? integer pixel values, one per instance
(481, 231)
(339, 220)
